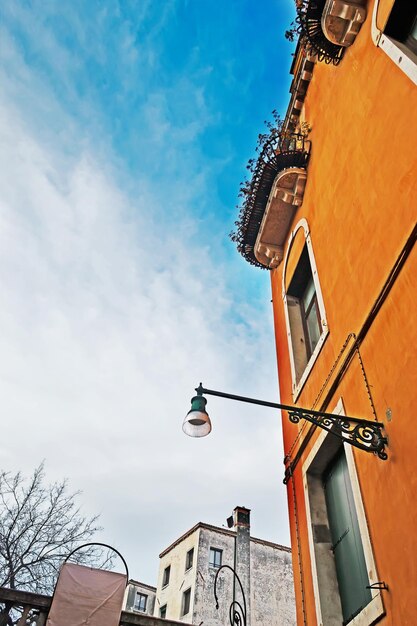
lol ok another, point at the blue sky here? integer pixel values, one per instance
(125, 132)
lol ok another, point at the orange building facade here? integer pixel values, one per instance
(331, 212)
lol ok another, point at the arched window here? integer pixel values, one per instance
(305, 315)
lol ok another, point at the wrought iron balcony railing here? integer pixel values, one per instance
(271, 199)
(309, 14)
(329, 26)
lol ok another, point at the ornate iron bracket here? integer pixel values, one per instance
(237, 611)
(363, 434)
(360, 433)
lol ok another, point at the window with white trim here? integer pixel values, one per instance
(304, 310)
(342, 561)
(304, 314)
(402, 24)
(215, 557)
(398, 39)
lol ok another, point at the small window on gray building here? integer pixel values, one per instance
(167, 573)
(140, 601)
(186, 600)
(163, 611)
(189, 559)
(215, 559)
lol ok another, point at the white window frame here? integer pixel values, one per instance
(298, 385)
(375, 609)
(397, 51)
(219, 551)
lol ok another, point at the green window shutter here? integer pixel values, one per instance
(347, 546)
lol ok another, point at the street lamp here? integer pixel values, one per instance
(360, 433)
(197, 422)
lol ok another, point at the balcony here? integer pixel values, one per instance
(285, 197)
(271, 199)
(329, 26)
(31, 608)
(342, 20)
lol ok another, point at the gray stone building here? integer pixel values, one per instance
(188, 567)
(139, 598)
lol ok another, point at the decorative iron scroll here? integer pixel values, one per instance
(308, 18)
(362, 434)
(237, 611)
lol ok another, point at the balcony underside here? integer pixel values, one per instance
(264, 212)
(341, 21)
(285, 197)
(309, 14)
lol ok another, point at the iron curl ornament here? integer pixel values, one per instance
(362, 434)
(237, 610)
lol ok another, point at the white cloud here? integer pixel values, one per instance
(110, 316)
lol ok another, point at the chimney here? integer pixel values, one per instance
(241, 524)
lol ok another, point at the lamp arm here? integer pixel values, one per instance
(360, 433)
(277, 405)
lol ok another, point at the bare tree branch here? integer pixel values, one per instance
(40, 525)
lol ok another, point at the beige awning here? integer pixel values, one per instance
(85, 596)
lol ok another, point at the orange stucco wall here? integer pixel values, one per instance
(361, 205)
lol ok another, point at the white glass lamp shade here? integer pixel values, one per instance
(197, 422)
